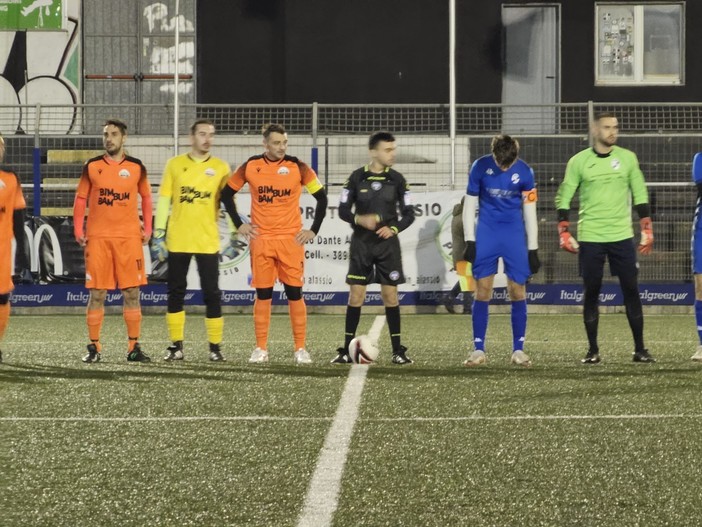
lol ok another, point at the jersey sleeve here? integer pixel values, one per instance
(83, 189)
(19, 202)
(474, 180)
(697, 168)
(529, 194)
(226, 171)
(166, 188)
(309, 178)
(569, 185)
(348, 192)
(238, 178)
(639, 191)
(144, 186)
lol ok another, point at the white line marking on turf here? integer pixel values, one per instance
(323, 493)
(536, 417)
(274, 418)
(167, 419)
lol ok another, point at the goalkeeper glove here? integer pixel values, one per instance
(159, 251)
(566, 241)
(646, 242)
(469, 252)
(234, 248)
(534, 262)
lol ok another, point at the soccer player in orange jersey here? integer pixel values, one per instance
(12, 207)
(276, 233)
(110, 187)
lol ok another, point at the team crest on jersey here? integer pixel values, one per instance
(283, 171)
(376, 185)
(124, 173)
(616, 164)
(515, 178)
(489, 172)
(210, 172)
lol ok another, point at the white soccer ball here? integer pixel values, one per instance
(362, 350)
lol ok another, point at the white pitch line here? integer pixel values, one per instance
(535, 417)
(322, 496)
(273, 418)
(166, 419)
(323, 493)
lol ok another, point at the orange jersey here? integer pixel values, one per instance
(11, 199)
(275, 193)
(112, 190)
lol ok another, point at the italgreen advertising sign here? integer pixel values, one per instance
(18, 15)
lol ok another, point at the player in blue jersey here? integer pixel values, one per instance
(501, 187)
(697, 250)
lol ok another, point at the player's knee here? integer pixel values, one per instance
(212, 297)
(292, 292)
(4, 299)
(265, 293)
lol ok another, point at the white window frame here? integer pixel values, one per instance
(639, 76)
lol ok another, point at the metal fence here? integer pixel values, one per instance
(47, 145)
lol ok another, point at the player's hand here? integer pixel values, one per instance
(248, 231)
(304, 236)
(82, 241)
(385, 232)
(534, 262)
(567, 241)
(145, 236)
(646, 242)
(234, 248)
(159, 251)
(469, 252)
(367, 221)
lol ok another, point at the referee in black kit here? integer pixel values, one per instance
(369, 201)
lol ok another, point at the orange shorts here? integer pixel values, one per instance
(114, 262)
(277, 258)
(6, 284)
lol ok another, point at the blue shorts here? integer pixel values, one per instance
(697, 251)
(506, 241)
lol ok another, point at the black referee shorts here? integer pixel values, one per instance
(375, 260)
(621, 256)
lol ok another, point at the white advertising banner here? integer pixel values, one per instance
(426, 247)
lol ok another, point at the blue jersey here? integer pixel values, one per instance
(499, 192)
(697, 178)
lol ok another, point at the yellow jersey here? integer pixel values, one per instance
(194, 187)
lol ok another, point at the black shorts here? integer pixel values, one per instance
(375, 260)
(621, 256)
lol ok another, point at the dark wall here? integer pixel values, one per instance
(380, 51)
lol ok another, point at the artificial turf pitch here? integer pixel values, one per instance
(200, 443)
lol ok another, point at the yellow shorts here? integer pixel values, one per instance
(114, 262)
(277, 258)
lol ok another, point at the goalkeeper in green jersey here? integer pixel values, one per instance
(609, 181)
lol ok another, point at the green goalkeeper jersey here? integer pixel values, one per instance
(607, 184)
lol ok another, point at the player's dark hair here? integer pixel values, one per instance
(604, 115)
(198, 122)
(270, 128)
(377, 137)
(505, 149)
(117, 123)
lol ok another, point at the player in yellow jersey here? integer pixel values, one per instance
(12, 207)
(186, 227)
(276, 233)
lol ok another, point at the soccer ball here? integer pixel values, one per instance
(362, 350)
